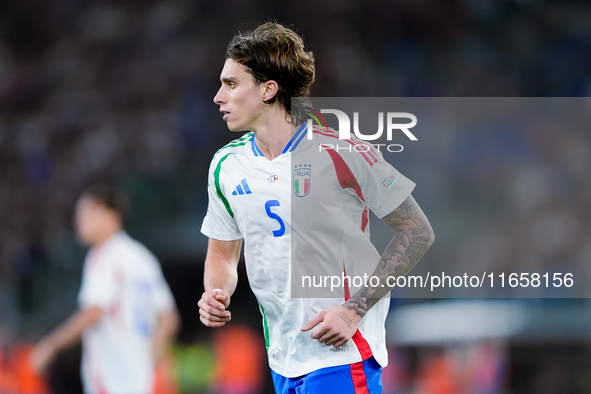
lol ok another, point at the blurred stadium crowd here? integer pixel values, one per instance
(122, 91)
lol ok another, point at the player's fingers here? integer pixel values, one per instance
(210, 323)
(209, 299)
(223, 315)
(340, 343)
(322, 331)
(212, 306)
(314, 322)
(329, 338)
(222, 296)
(214, 318)
(213, 310)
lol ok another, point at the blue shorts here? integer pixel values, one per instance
(364, 377)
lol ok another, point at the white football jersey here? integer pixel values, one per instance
(124, 279)
(312, 202)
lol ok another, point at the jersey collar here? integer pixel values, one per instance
(291, 145)
(255, 148)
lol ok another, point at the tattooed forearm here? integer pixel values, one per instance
(413, 237)
(419, 244)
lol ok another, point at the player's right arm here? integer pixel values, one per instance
(220, 280)
(64, 336)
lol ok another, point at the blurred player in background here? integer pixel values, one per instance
(127, 313)
(250, 198)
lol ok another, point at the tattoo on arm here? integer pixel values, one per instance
(346, 318)
(413, 237)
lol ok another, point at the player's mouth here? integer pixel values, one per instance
(226, 113)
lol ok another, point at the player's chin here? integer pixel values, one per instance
(233, 126)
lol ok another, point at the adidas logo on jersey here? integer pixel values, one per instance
(242, 188)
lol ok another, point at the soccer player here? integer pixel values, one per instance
(250, 197)
(127, 313)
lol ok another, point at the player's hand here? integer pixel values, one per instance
(339, 324)
(41, 357)
(212, 308)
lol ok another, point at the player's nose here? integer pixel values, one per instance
(219, 97)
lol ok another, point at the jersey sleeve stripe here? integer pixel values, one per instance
(371, 159)
(367, 159)
(245, 139)
(216, 175)
(370, 151)
(328, 133)
(369, 156)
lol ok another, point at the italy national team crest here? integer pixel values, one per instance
(301, 179)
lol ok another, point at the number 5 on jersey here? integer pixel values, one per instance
(268, 205)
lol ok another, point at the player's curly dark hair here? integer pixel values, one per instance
(275, 52)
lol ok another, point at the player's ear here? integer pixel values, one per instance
(270, 90)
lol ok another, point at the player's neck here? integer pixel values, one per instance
(106, 235)
(273, 136)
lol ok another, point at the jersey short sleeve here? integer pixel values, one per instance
(219, 222)
(98, 282)
(383, 187)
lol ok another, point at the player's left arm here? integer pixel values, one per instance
(413, 237)
(64, 336)
(169, 323)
